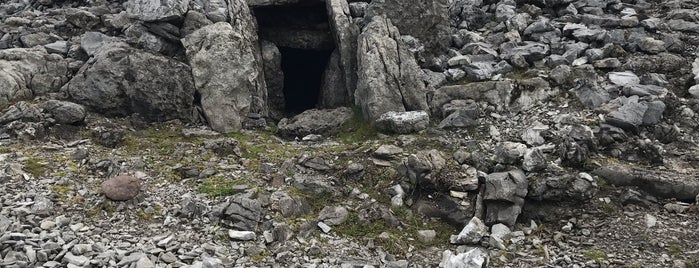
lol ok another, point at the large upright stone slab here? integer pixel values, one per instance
(227, 69)
(427, 20)
(345, 33)
(389, 77)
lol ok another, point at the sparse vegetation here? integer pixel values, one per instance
(357, 129)
(219, 185)
(594, 255)
(35, 166)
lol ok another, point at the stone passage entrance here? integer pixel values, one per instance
(303, 70)
(303, 36)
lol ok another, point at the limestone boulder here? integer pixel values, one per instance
(27, 72)
(227, 70)
(121, 80)
(389, 77)
(426, 20)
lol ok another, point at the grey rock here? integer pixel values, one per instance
(459, 119)
(608, 63)
(37, 39)
(660, 183)
(425, 20)
(60, 47)
(333, 91)
(532, 134)
(455, 74)
(509, 152)
(531, 51)
(121, 188)
(274, 78)
(65, 112)
(496, 93)
(114, 83)
(654, 113)
(471, 234)
(241, 235)
(403, 122)
(146, 10)
(694, 91)
(652, 46)
(30, 72)
(224, 146)
(345, 33)
(242, 213)
(82, 19)
(75, 260)
(93, 42)
(24, 111)
(629, 116)
(623, 78)
(683, 26)
(42, 206)
(358, 9)
(333, 215)
(504, 196)
(563, 188)
(315, 122)
(534, 160)
(389, 78)
(473, 258)
(591, 94)
(144, 262)
(387, 151)
(229, 91)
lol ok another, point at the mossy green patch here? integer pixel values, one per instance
(594, 255)
(357, 129)
(35, 166)
(219, 185)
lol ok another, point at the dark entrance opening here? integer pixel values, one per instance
(303, 71)
(303, 36)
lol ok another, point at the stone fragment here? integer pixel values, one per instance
(241, 235)
(471, 234)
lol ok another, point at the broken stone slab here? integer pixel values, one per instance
(624, 78)
(65, 112)
(676, 184)
(345, 33)
(629, 116)
(403, 122)
(504, 196)
(471, 234)
(389, 78)
(315, 121)
(473, 258)
(241, 235)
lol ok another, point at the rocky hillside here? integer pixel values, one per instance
(442, 133)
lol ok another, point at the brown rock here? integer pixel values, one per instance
(121, 188)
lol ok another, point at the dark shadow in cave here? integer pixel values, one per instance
(303, 71)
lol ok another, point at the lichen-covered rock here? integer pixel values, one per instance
(403, 122)
(30, 72)
(314, 122)
(121, 80)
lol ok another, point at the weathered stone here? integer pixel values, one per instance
(229, 90)
(333, 215)
(30, 72)
(241, 235)
(389, 77)
(160, 10)
(65, 112)
(471, 234)
(122, 80)
(473, 258)
(242, 213)
(121, 188)
(426, 20)
(345, 34)
(314, 122)
(403, 122)
(504, 196)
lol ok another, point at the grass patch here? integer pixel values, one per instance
(674, 249)
(35, 167)
(219, 186)
(357, 129)
(594, 255)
